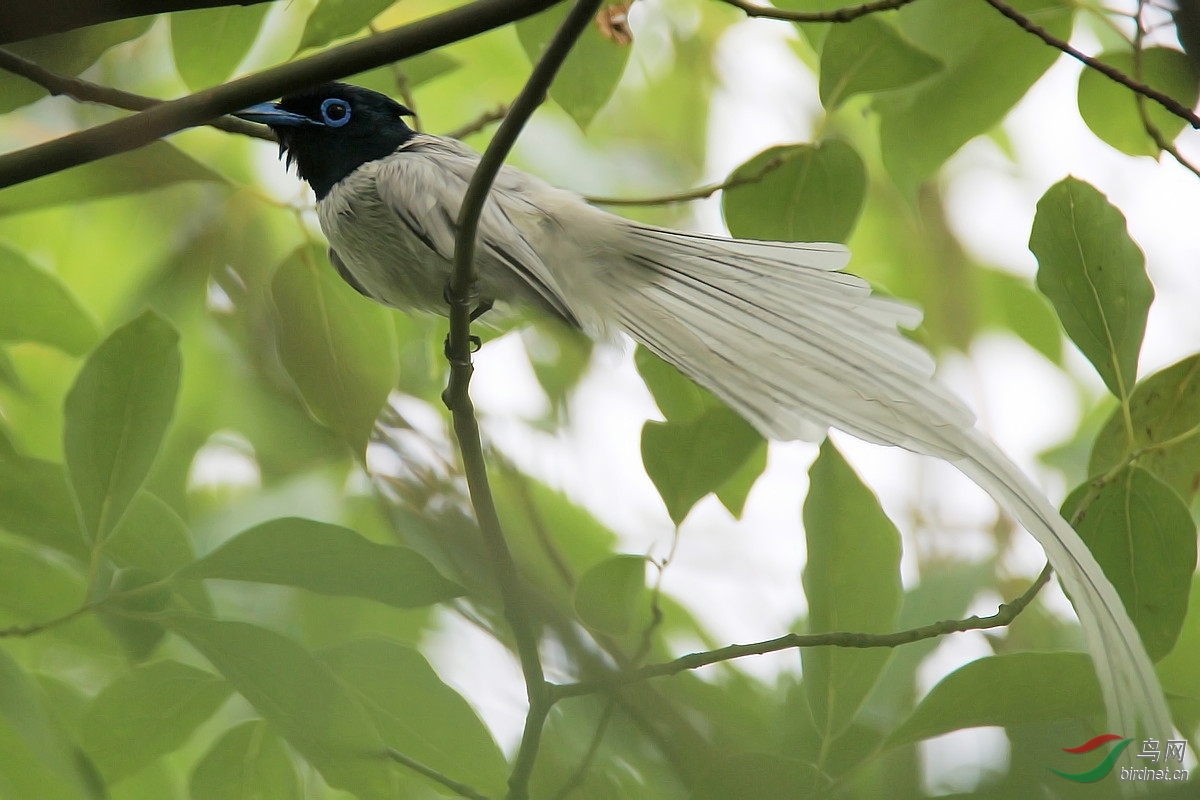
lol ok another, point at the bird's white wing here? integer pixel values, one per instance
(424, 184)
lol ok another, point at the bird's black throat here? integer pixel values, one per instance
(325, 154)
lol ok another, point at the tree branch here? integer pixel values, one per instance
(88, 92)
(1004, 615)
(479, 123)
(847, 14)
(1160, 141)
(26, 20)
(145, 127)
(1164, 100)
(699, 193)
(457, 396)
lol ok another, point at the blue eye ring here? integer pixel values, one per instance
(335, 112)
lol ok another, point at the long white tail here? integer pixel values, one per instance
(787, 341)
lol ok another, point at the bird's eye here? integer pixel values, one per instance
(335, 112)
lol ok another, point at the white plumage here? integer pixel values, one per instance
(771, 328)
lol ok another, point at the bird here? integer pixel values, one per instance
(777, 330)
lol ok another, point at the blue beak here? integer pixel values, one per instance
(271, 114)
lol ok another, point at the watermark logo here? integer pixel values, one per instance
(1104, 767)
(1152, 750)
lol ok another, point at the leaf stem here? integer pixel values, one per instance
(461, 789)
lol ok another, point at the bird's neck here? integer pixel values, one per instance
(334, 161)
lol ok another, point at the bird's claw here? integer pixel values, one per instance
(474, 341)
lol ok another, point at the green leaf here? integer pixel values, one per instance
(248, 762)
(37, 757)
(151, 167)
(852, 582)
(591, 72)
(68, 53)
(411, 71)
(35, 502)
(1145, 539)
(797, 193)
(333, 19)
(152, 538)
(34, 588)
(682, 401)
(760, 775)
(868, 56)
(148, 713)
(677, 396)
(733, 492)
(1178, 671)
(133, 601)
(990, 63)
(1095, 275)
(1164, 418)
(687, 460)
(559, 357)
(301, 698)
(552, 538)
(1009, 303)
(338, 347)
(607, 595)
(115, 417)
(416, 713)
(1111, 110)
(8, 372)
(36, 307)
(1010, 689)
(209, 43)
(326, 559)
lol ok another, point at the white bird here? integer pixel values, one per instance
(773, 329)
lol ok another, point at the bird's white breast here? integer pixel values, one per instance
(383, 255)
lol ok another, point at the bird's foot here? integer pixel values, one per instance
(482, 307)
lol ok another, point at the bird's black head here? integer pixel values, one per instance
(332, 130)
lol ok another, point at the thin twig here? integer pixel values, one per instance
(1004, 615)
(1164, 100)
(22, 631)
(1160, 141)
(461, 789)
(847, 14)
(479, 123)
(403, 86)
(581, 769)
(457, 395)
(699, 193)
(360, 55)
(88, 92)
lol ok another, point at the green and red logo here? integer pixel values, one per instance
(1104, 767)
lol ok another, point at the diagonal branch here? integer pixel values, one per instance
(1003, 616)
(23, 20)
(457, 396)
(1149, 92)
(88, 92)
(699, 193)
(360, 55)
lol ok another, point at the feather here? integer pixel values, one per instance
(788, 342)
(774, 329)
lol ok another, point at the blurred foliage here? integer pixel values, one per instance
(233, 530)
